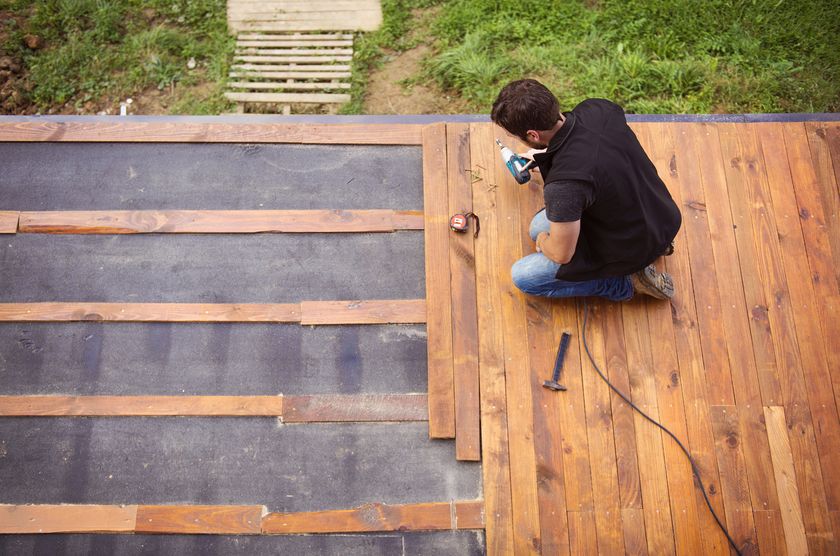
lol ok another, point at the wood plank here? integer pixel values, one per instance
(434, 516)
(18, 406)
(218, 221)
(8, 221)
(789, 508)
(355, 408)
(633, 521)
(201, 520)
(733, 477)
(828, 184)
(260, 74)
(311, 59)
(771, 535)
(332, 69)
(659, 143)
(811, 348)
(583, 539)
(438, 288)
(379, 311)
(370, 23)
(495, 454)
(181, 132)
(149, 312)
(292, 43)
(51, 518)
(703, 273)
(262, 51)
(600, 435)
(659, 525)
(543, 339)
(464, 308)
(469, 514)
(317, 98)
(293, 35)
(774, 169)
(287, 86)
(523, 467)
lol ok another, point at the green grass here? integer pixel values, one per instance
(99, 51)
(651, 56)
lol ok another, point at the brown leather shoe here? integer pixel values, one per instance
(655, 284)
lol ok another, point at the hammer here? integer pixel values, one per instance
(558, 364)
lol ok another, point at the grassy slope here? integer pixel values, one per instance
(98, 51)
(651, 56)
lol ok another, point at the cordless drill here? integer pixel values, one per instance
(517, 165)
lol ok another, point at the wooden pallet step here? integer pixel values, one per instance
(301, 75)
(290, 86)
(296, 59)
(260, 37)
(290, 98)
(369, 23)
(299, 6)
(292, 67)
(293, 43)
(294, 52)
(302, 14)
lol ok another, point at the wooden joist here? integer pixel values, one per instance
(306, 313)
(289, 98)
(323, 408)
(8, 221)
(181, 132)
(218, 221)
(237, 520)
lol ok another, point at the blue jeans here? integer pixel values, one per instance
(535, 275)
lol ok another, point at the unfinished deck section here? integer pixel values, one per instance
(742, 365)
(167, 286)
(290, 52)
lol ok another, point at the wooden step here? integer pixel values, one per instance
(292, 67)
(294, 51)
(368, 21)
(296, 59)
(259, 37)
(288, 75)
(289, 86)
(292, 43)
(290, 98)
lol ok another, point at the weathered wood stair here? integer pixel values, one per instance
(290, 52)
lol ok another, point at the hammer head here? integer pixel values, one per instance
(553, 385)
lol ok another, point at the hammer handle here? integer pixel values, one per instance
(561, 355)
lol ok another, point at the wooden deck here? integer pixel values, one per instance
(742, 365)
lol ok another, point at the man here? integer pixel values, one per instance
(607, 213)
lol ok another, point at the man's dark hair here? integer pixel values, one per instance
(525, 104)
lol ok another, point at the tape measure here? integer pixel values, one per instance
(461, 222)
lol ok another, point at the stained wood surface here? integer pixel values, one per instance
(216, 221)
(201, 520)
(375, 517)
(355, 407)
(8, 221)
(182, 132)
(12, 406)
(397, 311)
(740, 364)
(438, 289)
(67, 519)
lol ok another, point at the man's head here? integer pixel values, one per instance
(527, 109)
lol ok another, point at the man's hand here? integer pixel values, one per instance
(560, 241)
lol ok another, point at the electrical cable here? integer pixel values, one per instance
(661, 426)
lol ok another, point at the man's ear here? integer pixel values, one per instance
(533, 135)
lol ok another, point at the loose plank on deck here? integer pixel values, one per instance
(8, 221)
(495, 453)
(216, 221)
(433, 516)
(438, 290)
(464, 308)
(355, 408)
(397, 311)
(49, 518)
(201, 520)
(183, 132)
